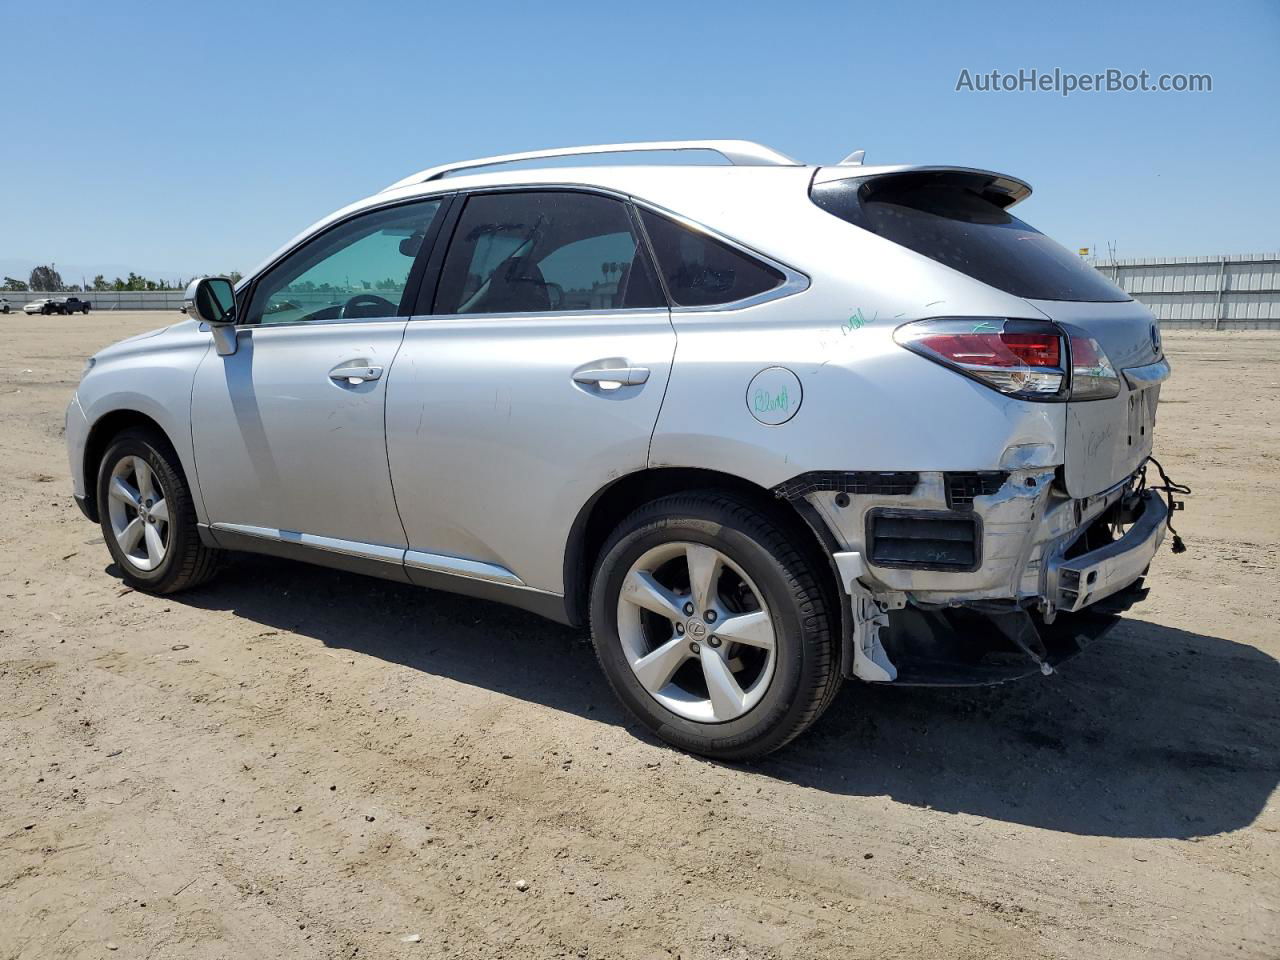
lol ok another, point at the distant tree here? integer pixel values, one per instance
(46, 278)
(235, 276)
(12, 284)
(100, 283)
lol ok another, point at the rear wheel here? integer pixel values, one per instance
(147, 517)
(711, 627)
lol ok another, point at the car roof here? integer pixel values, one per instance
(746, 200)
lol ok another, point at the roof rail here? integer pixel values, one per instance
(739, 152)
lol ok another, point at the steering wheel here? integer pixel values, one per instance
(353, 307)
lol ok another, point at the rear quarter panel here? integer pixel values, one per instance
(867, 403)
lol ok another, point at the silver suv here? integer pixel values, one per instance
(761, 425)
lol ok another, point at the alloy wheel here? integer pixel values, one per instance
(139, 513)
(696, 632)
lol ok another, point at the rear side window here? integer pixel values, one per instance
(948, 218)
(536, 252)
(701, 271)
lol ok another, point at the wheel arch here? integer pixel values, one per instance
(104, 430)
(600, 516)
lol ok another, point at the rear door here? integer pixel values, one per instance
(534, 379)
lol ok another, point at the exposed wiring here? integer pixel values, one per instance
(1168, 488)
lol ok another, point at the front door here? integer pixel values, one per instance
(288, 430)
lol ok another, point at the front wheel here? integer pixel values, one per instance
(712, 628)
(147, 517)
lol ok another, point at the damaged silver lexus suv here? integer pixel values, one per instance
(763, 426)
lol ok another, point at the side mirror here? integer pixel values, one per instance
(212, 300)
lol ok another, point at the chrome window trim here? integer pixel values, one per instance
(337, 321)
(794, 281)
(657, 312)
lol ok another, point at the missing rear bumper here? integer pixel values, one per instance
(1076, 579)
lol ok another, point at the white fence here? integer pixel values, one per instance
(1229, 293)
(104, 299)
(1240, 292)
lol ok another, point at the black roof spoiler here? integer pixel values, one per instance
(998, 188)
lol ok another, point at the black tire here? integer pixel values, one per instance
(806, 673)
(187, 561)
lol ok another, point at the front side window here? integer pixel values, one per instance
(534, 252)
(355, 271)
(701, 271)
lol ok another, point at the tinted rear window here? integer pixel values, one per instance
(946, 218)
(702, 272)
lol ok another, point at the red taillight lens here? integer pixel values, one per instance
(1022, 363)
(1034, 349)
(996, 349)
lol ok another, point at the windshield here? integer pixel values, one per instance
(947, 217)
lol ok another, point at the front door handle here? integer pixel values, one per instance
(612, 378)
(355, 373)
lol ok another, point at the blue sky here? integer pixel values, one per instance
(175, 140)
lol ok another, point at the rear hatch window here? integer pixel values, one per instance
(956, 219)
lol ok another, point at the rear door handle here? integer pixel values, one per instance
(354, 373)
(621, 376)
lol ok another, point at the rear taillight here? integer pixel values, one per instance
(1022, 358)
(1092, 376)
(1027, 359)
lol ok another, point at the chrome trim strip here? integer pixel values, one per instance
(352, 548)
(658, 313)
(1148, 375)
(460, 567)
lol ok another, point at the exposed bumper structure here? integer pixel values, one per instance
(984, 580)
(1075, 583)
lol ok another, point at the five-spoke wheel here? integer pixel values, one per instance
(695, 632)
(148, 520)
(138, 512)
(711, 627)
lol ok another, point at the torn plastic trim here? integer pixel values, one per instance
(866, 656)
(884, 483)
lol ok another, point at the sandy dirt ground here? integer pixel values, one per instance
(294, 762)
